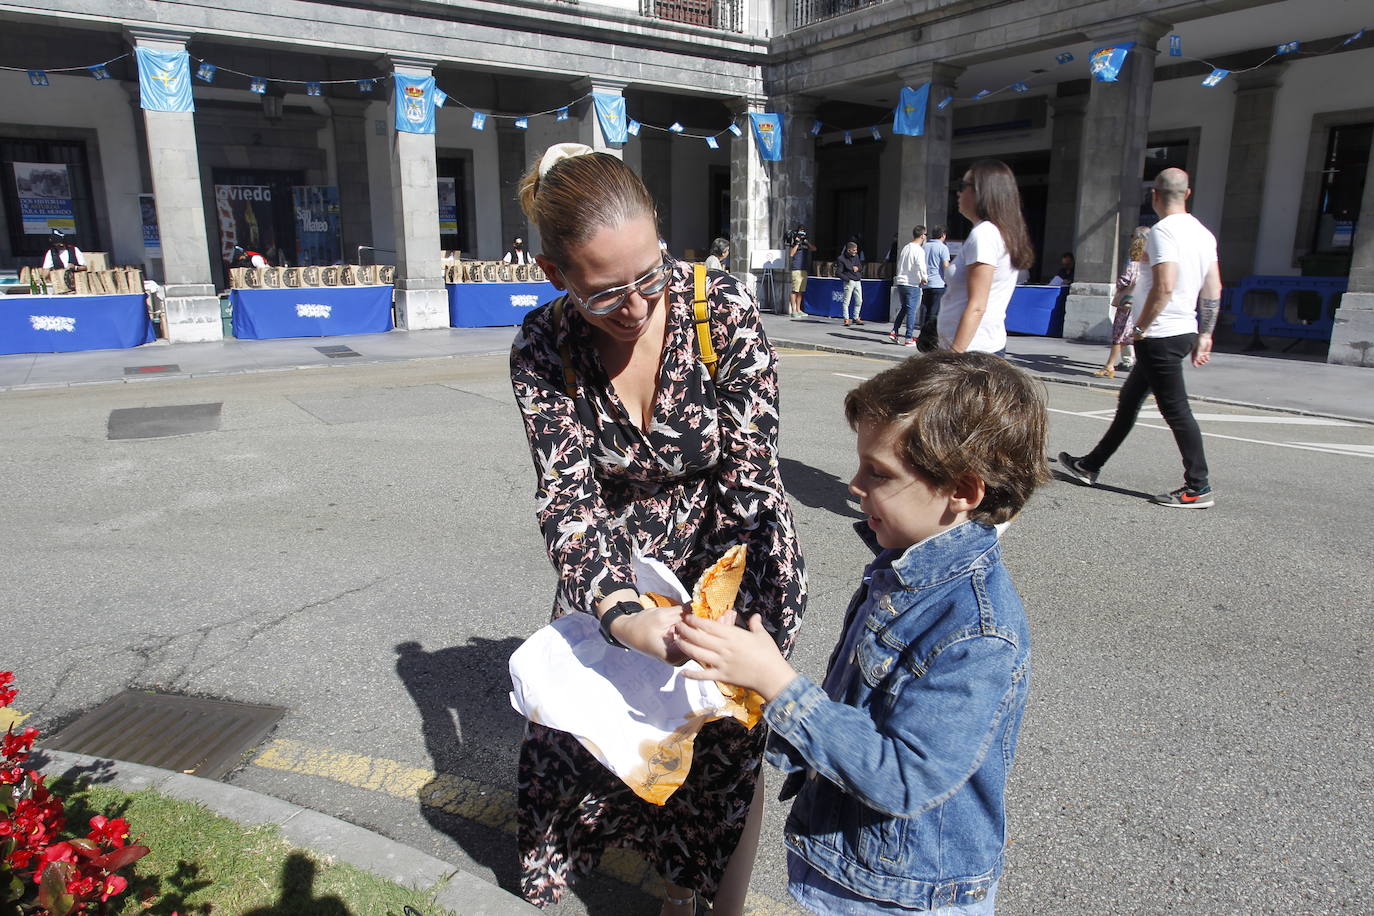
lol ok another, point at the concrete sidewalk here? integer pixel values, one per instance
(1266, 382)
(323, 835)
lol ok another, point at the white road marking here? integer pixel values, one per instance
(1255, 418)
(861, 378)
(1330, 448)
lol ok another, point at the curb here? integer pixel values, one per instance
(783, 343)
(319, 833)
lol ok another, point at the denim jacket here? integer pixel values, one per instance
(900, 774)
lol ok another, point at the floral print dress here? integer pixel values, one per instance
(702, 478)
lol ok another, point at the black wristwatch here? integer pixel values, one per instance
(614, 613)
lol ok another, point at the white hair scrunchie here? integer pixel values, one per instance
(560, 151)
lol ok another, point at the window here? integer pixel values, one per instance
(1342, 185)
(1168, 155)
(70, 180)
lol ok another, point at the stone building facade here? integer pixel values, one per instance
(1279, 154)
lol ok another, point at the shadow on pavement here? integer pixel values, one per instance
(816, 488)
(1046, 363)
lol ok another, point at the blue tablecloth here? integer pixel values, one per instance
(1037, 310)
(60, 324)
(824, 296)
(490, 305)
(312, 311)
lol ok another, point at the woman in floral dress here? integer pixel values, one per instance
(649, 455)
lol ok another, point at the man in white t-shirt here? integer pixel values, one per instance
(907, 281)
(1177, 303)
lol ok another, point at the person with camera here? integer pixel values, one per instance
(799, 248)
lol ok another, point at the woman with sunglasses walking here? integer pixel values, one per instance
(638, 449)
(973, 314)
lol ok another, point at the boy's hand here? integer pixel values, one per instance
(746, 658)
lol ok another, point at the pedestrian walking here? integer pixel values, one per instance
(1175, 311)
(851, 267)
(907, 280)
(898, 761)
(973, 315)
(1121, 307)
(937, 264)
(641, 447)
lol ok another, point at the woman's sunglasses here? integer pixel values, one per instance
(608, 300)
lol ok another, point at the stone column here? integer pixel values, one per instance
(192, 309)
(1061, 206)
(1251, 125)
(511, 162)
(794, 178)
(1115, 125)
(750, 186)
(923, 186)
(1352, 337)
(421, 300)
(589, 131)
(349, 123)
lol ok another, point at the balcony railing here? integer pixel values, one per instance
(727, 15)
(805, 12)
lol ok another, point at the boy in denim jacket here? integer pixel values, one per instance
(899, 760)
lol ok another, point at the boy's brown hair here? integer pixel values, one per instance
(962, 413)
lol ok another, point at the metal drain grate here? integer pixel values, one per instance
(156, 422)
(338, 352)
(151, 370)
(189, 735)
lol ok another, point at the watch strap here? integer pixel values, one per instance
(614, 613)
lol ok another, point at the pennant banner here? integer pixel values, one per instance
(522, 123)
(1107, 62)
(99, 72)
(479, 121)
(610, 114)
(164, 80)
(632, 128)
(440, 97)
(314, 89)
(767, 134)
(414, 104)
(712, 143)
(910, 116)
(206, 72)
(734, 129)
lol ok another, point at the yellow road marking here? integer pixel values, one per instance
(11, 718)
(459, 796)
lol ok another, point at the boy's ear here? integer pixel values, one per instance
(967, 493)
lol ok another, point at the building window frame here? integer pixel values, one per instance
(1318, 137)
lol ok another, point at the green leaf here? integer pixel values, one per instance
(114, 861)
(11, 888)
(52, 889)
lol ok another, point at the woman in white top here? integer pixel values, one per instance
(973, 315)
(720, 251)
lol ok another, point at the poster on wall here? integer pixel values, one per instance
(317, 224)
(448, 206)
(245, 218)
(152, 238)
(45, 197)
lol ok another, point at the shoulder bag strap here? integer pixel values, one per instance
(702, 314)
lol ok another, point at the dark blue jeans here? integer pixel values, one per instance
(1159, 370)
(906, 313)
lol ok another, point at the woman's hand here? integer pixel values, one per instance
(746, 658)
(651, 632)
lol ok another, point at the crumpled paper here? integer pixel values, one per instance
(637, 715)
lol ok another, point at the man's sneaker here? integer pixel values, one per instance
(1070, 467)
(892, 337)
(1186, 498)
(910, 342)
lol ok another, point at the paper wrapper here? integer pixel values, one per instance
(637, 715)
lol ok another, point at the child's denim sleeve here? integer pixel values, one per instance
(922, 735)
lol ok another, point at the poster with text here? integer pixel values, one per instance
(45, 197)
(448, 206)
(317, 224)
(245, 218)
(152, 238)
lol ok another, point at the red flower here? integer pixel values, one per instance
(115, 832)
(114, 884)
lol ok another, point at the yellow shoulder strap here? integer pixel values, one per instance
(564, 353)
(701, 310)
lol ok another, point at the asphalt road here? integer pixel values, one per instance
(357, 545)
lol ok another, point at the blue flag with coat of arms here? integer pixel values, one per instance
(610, 114)
(910, 116)
(414, 104)
(164, 80)
(767, 134)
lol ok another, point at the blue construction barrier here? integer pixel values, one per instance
(1294, 307)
